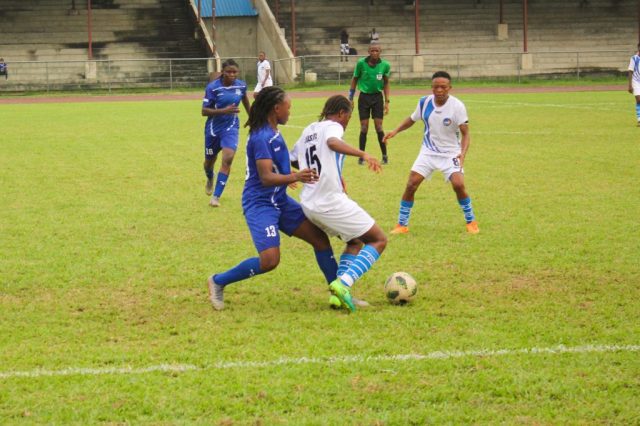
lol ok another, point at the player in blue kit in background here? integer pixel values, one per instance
(267, 207)
(220, 105)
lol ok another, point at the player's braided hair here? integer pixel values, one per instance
(265, 101)
(334, 105)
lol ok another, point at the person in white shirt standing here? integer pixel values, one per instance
(325, 202)
(634, 80)
(264, 74)
(445, 118)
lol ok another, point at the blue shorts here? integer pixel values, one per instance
(224, 139)
(265, 221)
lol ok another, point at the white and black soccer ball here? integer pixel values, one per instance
(400, 288)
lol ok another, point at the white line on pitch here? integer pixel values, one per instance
(225, 365)
(589, 107)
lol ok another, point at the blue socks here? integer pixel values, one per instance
(465, 204)
(361, 264)
(220, 184)
(345, 261)
(250, 267)
(245, 269)
(327, 264)
(405, 212)
(638, 111)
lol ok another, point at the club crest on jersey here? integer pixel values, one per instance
(379, 76)
(238, 92)
(446, 121)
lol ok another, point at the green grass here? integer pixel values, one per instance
(107, 240)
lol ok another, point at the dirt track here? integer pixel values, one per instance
(4, 99)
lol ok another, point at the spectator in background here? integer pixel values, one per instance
(264, 74)
(3, 69)
(374, 36)
(344, 45)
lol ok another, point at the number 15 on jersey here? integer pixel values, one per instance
(312, 159)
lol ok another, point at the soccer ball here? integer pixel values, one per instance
(400, 288)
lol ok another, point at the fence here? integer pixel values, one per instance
(194, 72)
(474, 65)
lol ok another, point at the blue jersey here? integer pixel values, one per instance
(265, 143)
(217, 96)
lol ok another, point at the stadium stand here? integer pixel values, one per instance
(468, 29)
(123, 30)
(458, 35)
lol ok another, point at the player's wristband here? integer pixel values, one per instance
(351, 93)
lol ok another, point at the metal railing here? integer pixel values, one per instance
(475, 65)
(173, 73)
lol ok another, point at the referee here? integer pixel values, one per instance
(371, 75)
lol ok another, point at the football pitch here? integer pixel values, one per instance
(107, 240)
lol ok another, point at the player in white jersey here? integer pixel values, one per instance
(325, 202)
(634, 80)
(445, 119)
(264, 74)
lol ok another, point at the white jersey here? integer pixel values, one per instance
(312, 152)
(634, 67)
(263, 67)
(441, 124)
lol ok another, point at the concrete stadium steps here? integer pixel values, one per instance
(468, 27)
(46, 31)
(112, 74)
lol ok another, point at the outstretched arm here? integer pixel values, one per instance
(269, 178)
(341, 147)
(408, 122)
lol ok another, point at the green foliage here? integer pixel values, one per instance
(107, 240)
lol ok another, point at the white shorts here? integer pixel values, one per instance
(636, 88)
(346, 219)
(427, 163)
(259, 86)
(344, 48)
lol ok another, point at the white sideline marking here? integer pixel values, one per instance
(225, 365)
(590, 107)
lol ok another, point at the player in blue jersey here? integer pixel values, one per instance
(220, 105)
(634, 80)
(267, 207)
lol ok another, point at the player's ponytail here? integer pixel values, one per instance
(264, 103)
(334, 105)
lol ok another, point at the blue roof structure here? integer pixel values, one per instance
(227, 8)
